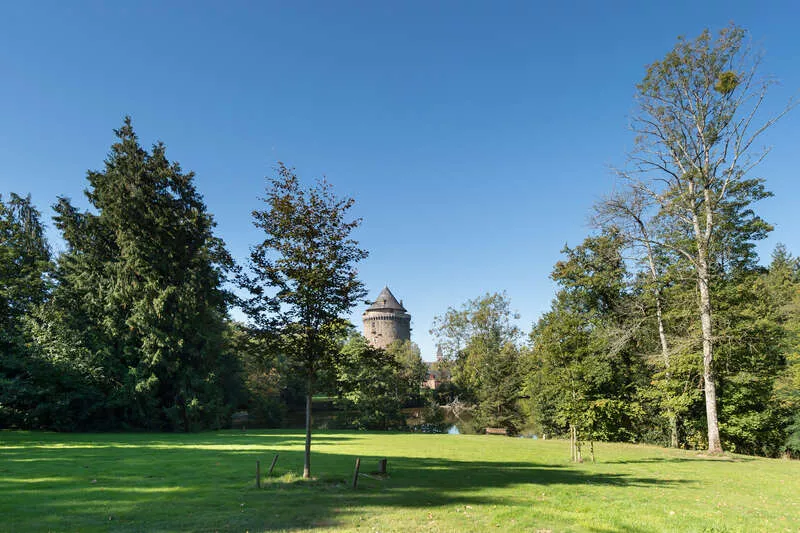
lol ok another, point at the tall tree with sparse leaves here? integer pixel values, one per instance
(696, 124)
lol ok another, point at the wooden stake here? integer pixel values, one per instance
(382, 467)
(272, 466)
(355, 474)
(258, 474)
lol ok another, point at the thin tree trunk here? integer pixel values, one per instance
(307, 462)
(572, 443)
(709, 384)
(673, 429)
(671, 416)
(662, 336)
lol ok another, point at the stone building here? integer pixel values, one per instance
(386, 321)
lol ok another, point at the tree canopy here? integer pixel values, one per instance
(302, 276)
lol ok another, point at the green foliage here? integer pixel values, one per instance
(413, 370)
(583, 373)
(478, 343)
(260, 378)
(372, 384)
(433, 419)
(24, 285)
(138, 309)
(783, 285)
(303, 277)
(751, 356)
(500, 384)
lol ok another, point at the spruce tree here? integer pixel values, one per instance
(140, 291)
(24, 264)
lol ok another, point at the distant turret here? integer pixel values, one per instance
(386, 321)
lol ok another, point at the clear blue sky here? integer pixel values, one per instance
(475, 136)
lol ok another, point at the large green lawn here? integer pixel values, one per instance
(206, 482)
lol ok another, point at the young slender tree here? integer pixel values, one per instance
(630, 213)
(303, 276)
(696, 123)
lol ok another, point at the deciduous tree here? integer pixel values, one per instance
(696, 123)
(478, 344)
(303, 277)
(372, 385)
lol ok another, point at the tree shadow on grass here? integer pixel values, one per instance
(256, 438)
(136, 486)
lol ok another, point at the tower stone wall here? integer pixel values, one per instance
(386, 321)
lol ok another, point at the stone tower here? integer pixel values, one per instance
(386, 321)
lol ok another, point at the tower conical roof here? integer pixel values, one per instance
(386, 300)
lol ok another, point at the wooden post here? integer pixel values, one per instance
(272, 466)
(382, 467)
(258, 474)
(355, 474)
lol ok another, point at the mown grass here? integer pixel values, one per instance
(205, 482)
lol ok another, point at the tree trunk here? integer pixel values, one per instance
(709, 384)
(673, 429)
(572, 443)
(662, 335)
(671, 416)
(307, 462)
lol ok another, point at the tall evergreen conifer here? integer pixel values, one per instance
(139, 297)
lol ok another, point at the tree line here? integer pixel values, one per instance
(665, 328)
(128, 328)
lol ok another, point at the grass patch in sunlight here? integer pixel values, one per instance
(206, 482)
